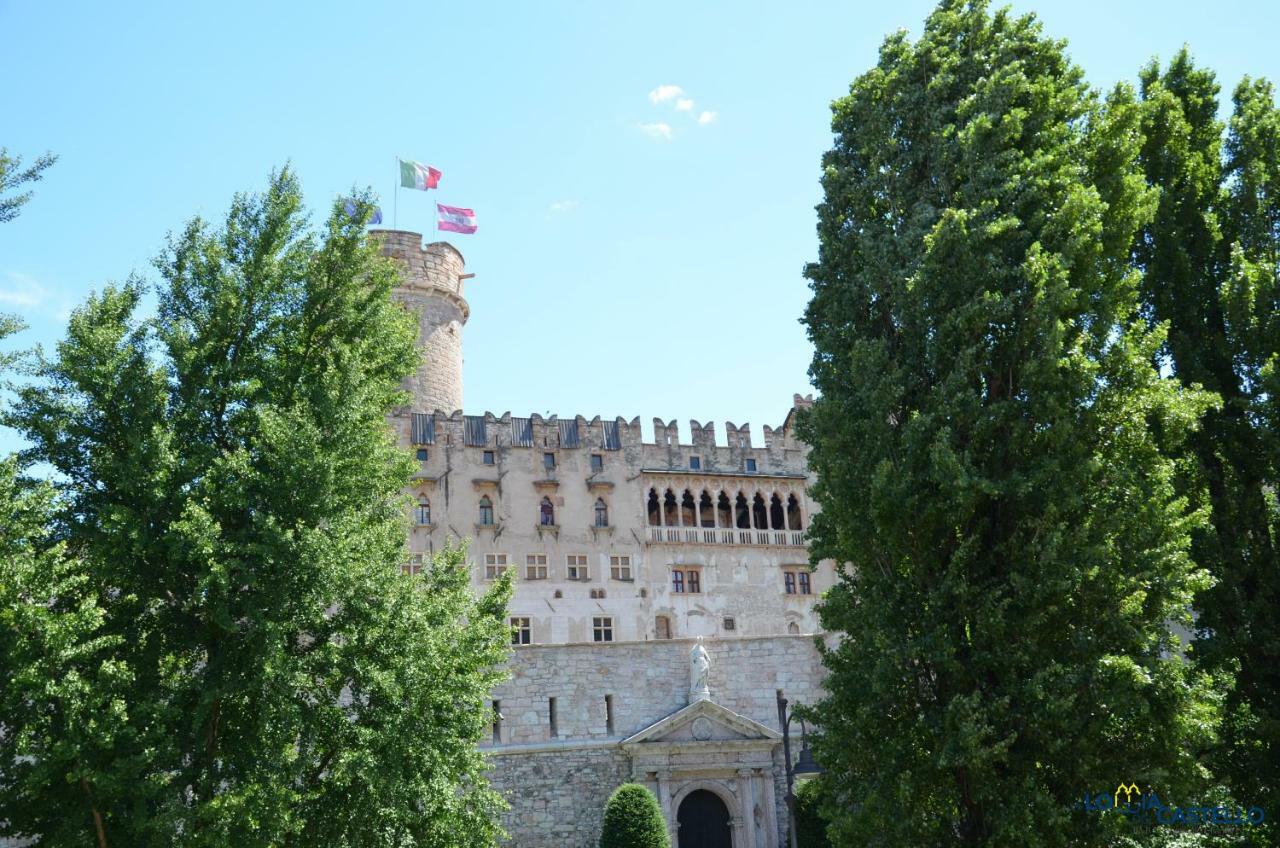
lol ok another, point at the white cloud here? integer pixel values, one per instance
(660, 130)
(23, 290)
(684, 104)
(563, 205)
(706, 117)
(665, 92)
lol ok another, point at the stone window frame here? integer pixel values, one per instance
(577, 568)
(486, 511)
(521, 630)
(532, 563)
(597, 462)
(601, 513)
(617, 564)
(488, 457)
(495, 565)
(423, 454)
(422, 511)
(602, 628)
(686, 579)
(797, 580)
(549, 461)
(751, 465)
(695, 463)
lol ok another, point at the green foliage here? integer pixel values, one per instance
(258, 670)
(811, 827)
(1211, 265)
(12, 175)
(1016, 544)
(632, 819)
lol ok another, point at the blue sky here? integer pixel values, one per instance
(634, 257)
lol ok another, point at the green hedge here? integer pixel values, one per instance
(632, 819)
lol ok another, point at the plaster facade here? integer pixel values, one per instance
(625, 552)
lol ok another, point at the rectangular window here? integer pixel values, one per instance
(576, 567)
(423, 455)
(751, 465)
(686, 580)
(488, 457)
(620, 567)
(797, 581)
(608, 714)
(662, 627)
(535, 567)
(494, 566)
(549, 461)
(695, 463)
(730, 624)
(597, 462)
(413, 566)
(602, 629)
(497, 722)
(520, 631)
(551, 717)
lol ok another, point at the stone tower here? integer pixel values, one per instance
(432, 289)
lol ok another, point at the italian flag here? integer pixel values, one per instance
(419, 176)
(455, 220)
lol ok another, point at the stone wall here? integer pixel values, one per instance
(557, 798)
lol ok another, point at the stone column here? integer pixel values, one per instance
(747, 799)
(770, 810)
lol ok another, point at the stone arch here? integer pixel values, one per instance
(759, 513)
(654, 509)
(670, 514)
(688, 512)
(742, 512)
(602, 513)
(777, 520)
(794, 520)
(724, 511)
(721, 790)
(486, 510)
(706, 510)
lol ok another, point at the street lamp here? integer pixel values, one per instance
(804, 767)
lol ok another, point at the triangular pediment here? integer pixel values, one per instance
(704, 721)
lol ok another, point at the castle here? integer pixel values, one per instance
(663, 597)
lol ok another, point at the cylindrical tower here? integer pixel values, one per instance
(432, 290)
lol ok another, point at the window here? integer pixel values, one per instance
(488, 457)
(576, 567)
(602, 629)
(602, 513)
(608, 714)
(620, 567)
(797, 581)
(751, 465)
(413, 566)
(686, 580)
(549, 461)
(486, 511)
(597, 593)
(497, 722)
(793, 628)
(551, 717)
(494, 566)
(423, 454)
(597, 462)
(662, 627)
(535, 567)
(422, 512)
(695, 463)
(520, 631)
(730, 624)
(546, 513)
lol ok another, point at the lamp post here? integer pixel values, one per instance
(803, 766)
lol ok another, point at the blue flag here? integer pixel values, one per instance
(353, 211)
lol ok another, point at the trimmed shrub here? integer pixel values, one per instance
(632, 819)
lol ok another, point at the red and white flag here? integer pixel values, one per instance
(454, 219)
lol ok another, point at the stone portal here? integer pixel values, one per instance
(704, 821)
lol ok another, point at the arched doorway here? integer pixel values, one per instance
(704, 821)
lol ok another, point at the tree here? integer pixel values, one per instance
(811, 827)
(1211, 271)
(230, 487)
(1015, 548)
(632, 819)
(12, 175)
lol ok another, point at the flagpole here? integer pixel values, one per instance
(395, 207)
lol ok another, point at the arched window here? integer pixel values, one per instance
(724, 512)
(792, 627)
(776, 521)
(655, 511)
(602, 513)
(422, 512)
(793, 513)
(670, 517)
(758, 512)
(688, 516)
(546, 513)
(708, 511)
(486, 511)
(742, 512)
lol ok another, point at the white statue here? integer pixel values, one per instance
(699, 672)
